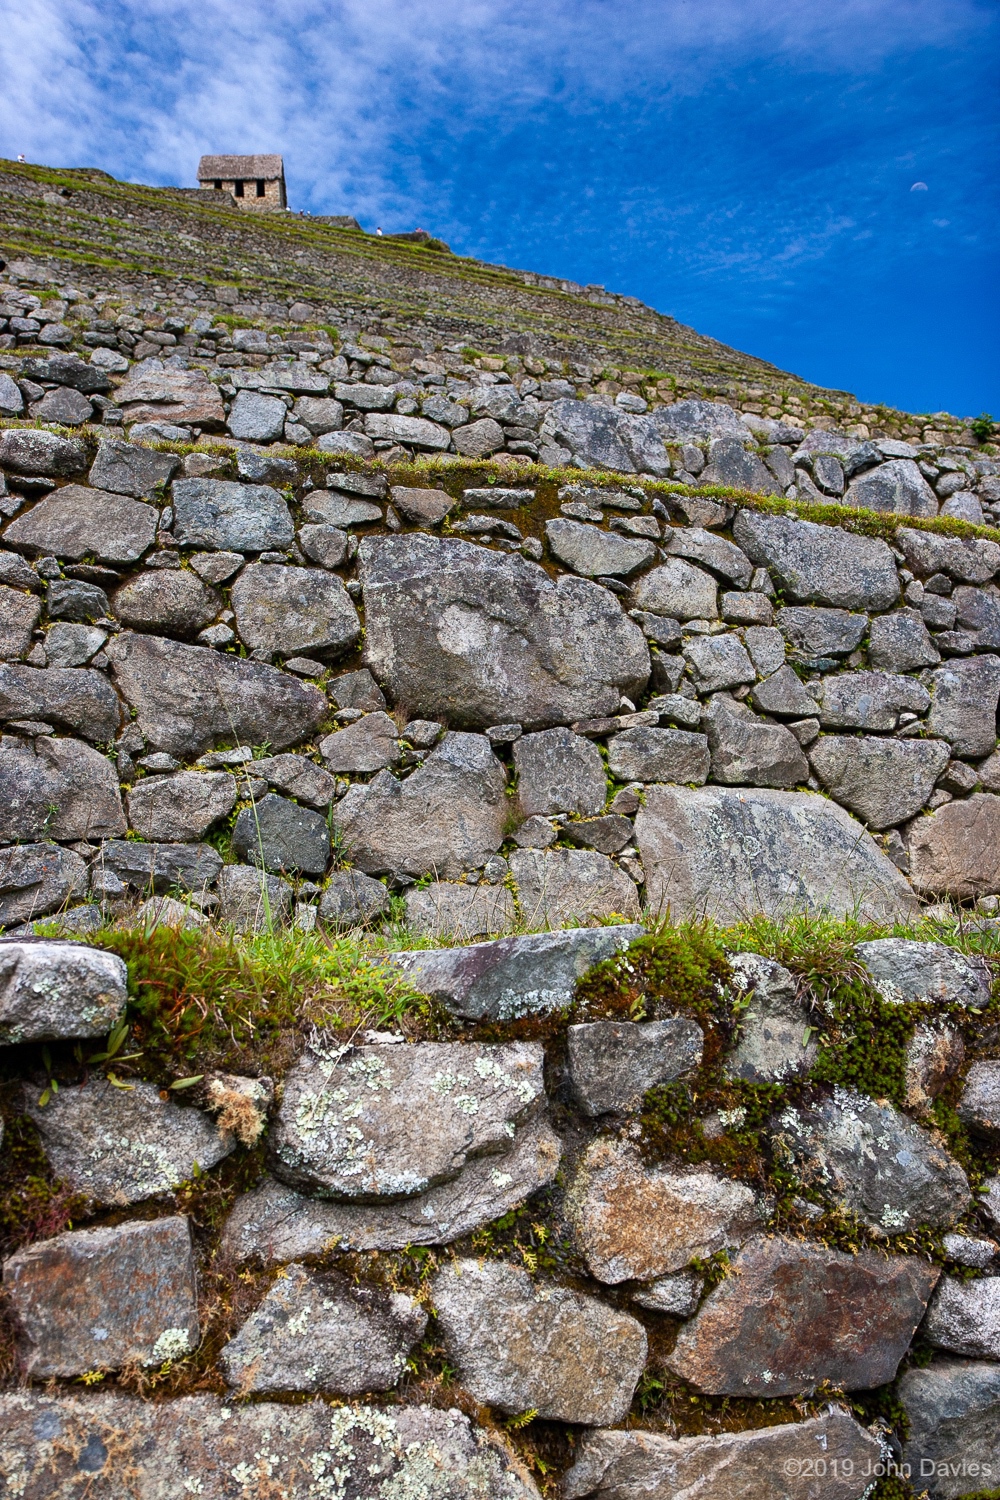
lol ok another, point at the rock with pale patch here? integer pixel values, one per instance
(55, 989)
(612, 1063)
(520, 1347)
(775, 1039)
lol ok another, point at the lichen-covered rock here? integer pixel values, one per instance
(57, 788)
(66, 1447)
(607, 438)
(224, 515)
(121, 1146)
(679, 590)
(448, 816)
(765, 1463)
(725, 852)
(793, 1315)
(964, 1317)
(894, 486)
(901, 642)
(659, 755)
(749, 751)
(72, 698)
(156, 867)
(388, 1122)
(718, 662)
(820, 564)
(869, 700)
(821, 632)
(275, 1223)
(53, 989)
(867, 1157)
(775, 1041)
(474, 637)
(188, 697)
(299, 777)
(904, 971)
(251, 900)
(570, 887)
(611, 1064)
(18, 617)
(884, 782)
(352, 899)
(513, 976)
(103, 1298)
(175, 809)
(317, 1332)
(964, 697)
(171, 396)
(700, 421)
(712, 551)
(172, 599)
(953, 1410)
(289, 610)
(74, 522)
(369, 744)
(36, 879)
(278, 834)
(519, 1347)
(447, 909)
(559, 771)
(130, 469)
(32, 450)
(979, 1105)
(966, 559)
(636, 1222)
(956, 850)
(596, 553)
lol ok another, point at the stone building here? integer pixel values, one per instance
(256, 182)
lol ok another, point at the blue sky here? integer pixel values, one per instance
(746, 167)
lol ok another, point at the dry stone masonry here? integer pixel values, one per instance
(498, 667)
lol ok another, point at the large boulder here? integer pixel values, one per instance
(292, 610)
(358, 1340)
(389, 1122)
(155, 868)
(712, 551)
(699, 422)
(764, 1463)
(369, 744)
(570, 887)
(73, 698)
(882, 781)
(120, 1146)
(57, 788)
(103, 1298)
(188, 697)
(659, 755)
(816, 631)
(953, 1411)
(869, 700)
(730, 463)
(513, 976)
(447, 817)
(521, 1347)
(36, 879)
(679, 590)
(275, 1223)
(633, 1222)
(726, 852)
(749, 751)
(475, 637)
(794, 1315)
(966, 559)
(223, 515)
(602, 437)
(75, 522)
(59, 1445)
(865, 1156)
(279, 835)
(956, 850)
(820, 564)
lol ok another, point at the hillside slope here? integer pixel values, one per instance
(180, 249)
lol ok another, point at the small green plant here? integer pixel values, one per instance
(982, 427)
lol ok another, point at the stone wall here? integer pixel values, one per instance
(346, 635)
